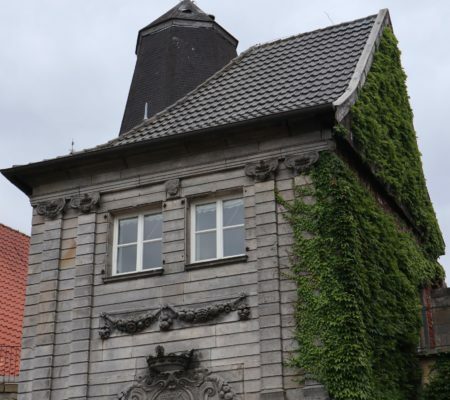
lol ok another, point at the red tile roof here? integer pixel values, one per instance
(14, 248)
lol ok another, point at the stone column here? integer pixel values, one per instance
(269, 307)
(82, 307)
(45, 324)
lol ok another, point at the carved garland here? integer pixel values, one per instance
(168, 314)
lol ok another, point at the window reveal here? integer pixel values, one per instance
(137, 243)
(217, 230)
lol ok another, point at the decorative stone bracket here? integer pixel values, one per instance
(86, 202)
(172, 188)
(300, 163)
(261, 170)
(174, 376)
(52, 209)
(168, 314)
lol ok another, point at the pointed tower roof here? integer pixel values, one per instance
(186, 13)
(175, 53)
(185, 10)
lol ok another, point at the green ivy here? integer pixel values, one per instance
(439, 385)
(358, 268)
(358, 273)
(383, 132)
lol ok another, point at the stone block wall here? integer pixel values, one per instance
(8, 391)
(64, 356)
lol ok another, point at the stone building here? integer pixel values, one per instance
(159, 260)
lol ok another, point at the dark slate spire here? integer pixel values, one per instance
(175, 53)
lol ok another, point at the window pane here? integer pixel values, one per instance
(205, 216)
(233, 212)
(152, 255)
(153, 226)
(205, 246)
(233, 241)
(128, 230)
(126, 259)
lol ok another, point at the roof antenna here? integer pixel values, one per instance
(72, 150)
(328, 16)
(146, 111)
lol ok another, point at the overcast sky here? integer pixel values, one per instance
(66, 67)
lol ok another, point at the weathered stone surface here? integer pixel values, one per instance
(67, 293)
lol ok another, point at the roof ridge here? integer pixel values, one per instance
(348, 98)
(297, 35)
(14, 230)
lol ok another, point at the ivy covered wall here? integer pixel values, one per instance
(383, 132)
(439, 386)
(357, 267)
(358, 272)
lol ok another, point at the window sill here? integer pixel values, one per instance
(215, 263)
(134, 275)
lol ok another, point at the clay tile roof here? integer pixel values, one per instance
(14, 247)
(299, 72)
(322, 68)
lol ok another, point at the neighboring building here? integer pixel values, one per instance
(14, 247)
(435, 335)
(169, 239)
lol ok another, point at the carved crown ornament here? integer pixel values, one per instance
(167, 314)
(52, 209)
(175, 376)
(261, 170)
(301, 162)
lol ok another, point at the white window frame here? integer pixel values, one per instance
(139, 244)
(219, 228)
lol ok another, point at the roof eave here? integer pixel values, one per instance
(17, 174)
(348, 98)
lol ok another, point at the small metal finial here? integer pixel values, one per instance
(72, 149)
(328, 16)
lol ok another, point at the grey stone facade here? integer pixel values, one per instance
(64, 356)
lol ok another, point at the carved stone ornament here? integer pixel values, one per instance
(167, 314)
(261, 170)
(86, 202)
(300, 163)
(51, 208)
(175, 377)
(172, 187)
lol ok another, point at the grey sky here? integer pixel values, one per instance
(66, 67)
